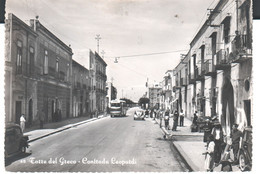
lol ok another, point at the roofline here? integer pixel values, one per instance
(55, 38)
(102, 60)
(77, 63)
(26, 26)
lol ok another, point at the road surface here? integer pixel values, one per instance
(107, 145)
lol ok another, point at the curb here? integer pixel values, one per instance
(66, 127)
(192, 167)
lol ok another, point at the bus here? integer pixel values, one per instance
(118, 108)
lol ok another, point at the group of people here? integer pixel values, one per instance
(166, 114)
(218, 151)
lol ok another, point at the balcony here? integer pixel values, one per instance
(62, 76)
(175, 88)
(192, 79)
(184, 81)
(241, 49)
(198, 74)
(222, 62)
(209, 69)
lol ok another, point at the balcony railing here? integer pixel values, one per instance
(222, 61)
(208, 67)
(241, 48)
(184, 81)
(192, 78)
(198, 74)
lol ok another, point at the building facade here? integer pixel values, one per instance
(215, 76)
(111, 93)
(38, 73)
(80, 90)
(154, 97)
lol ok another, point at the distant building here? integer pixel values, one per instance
(154, 97)
(38, 73)
(111, 92)
(98, 83)
(80, 90)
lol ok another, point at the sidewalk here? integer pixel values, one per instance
(36, 133)
(190, 145)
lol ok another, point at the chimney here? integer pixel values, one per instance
(34, 22)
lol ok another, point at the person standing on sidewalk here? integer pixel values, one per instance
(236, 134)
(181, 118)
(166, 119)
(209, 160)
(175, 120)
(218, 140)
(22, 122)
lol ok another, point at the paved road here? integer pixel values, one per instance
(106, 145)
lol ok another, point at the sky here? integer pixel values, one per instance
(126, 27)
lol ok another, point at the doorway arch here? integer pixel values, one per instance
(227, 100)
(30, 112)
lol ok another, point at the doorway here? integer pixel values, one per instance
(18, 111)
(30, 112)
(247, 108)
(227, 100)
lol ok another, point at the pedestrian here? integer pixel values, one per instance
(194, 126)
(207, 130)
(166, 119)
(22, 122)
(41, 117)
(175, 120)
(209, 160)
(217, 132)
(154, 114)
(236, 134)
(181, 118)
(161, 117)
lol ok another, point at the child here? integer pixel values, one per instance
(209, 161)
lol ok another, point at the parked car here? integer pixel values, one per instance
(139, 115)
(245, 150)
(15, 141)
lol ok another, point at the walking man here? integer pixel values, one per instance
(175, 120)
(181, 118)
(22, 122)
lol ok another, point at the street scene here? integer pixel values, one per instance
(128, 86)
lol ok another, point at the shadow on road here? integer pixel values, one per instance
(19, 156)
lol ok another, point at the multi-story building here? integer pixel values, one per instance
(80, 90)
(101, 79)
(154, 97)
(38, 72)
(111, 92)
(218, 67)
(98, 83)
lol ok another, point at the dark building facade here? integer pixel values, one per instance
(80, 90)
(100, 66)
(38, 69)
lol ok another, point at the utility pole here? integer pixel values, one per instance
(98, 38)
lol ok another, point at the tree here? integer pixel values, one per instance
(144, 102)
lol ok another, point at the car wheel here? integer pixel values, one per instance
(23, 149)
(242, 162)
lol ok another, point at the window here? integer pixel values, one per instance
(57, 65)
(226, 29)
(31, 61)
(19, 58)
(46, 65)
